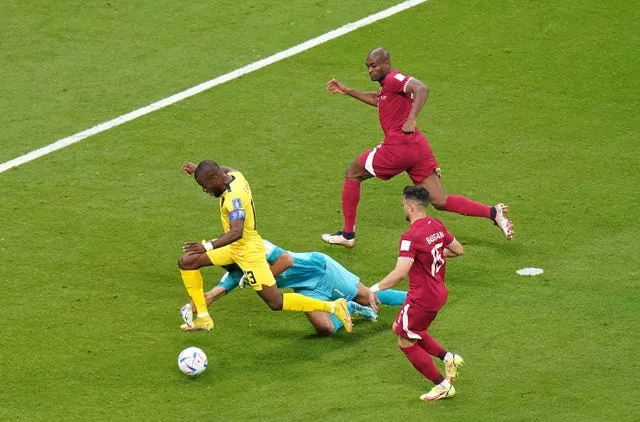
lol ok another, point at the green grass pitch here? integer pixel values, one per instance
(532, 103)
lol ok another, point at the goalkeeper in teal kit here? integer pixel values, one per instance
(312, 274)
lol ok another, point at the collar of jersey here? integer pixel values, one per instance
(228, 188)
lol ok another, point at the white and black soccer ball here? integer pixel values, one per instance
(192, 361)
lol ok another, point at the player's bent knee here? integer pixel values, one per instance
(403, 343)
(185, 262)
(439, 203)
(356, 171)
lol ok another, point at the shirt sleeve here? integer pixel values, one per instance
(407, 248)
(399, 82)
(273, 251)
(230, 281)
(448, 238)
(236, 209)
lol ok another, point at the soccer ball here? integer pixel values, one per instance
(192, 361)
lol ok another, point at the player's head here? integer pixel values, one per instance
(415, 200)
(210, 176)
(378, 63)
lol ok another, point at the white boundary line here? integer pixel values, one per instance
(64, 142)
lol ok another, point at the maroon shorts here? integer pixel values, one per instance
(391, 158)
(413, 322)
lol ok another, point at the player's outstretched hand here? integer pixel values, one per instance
(189, 168)
(373, 301)
(193, 247)
(334, 86)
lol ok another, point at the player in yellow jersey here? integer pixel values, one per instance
(241, 244)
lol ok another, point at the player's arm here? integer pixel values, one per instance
(214, 294)
(234, 233)
(236, 227)
(189, 167)
(403, 265)
(334, 86)
(280, 265)
(420, 92)
(454, 249)
(396, 275)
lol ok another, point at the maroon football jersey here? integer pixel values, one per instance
(424, 244)
(394, 105)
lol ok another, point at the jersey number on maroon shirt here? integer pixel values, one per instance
(438, 259)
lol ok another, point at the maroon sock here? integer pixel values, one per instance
(431, 346)
(350, 199)
(421, 360)
(465, 206)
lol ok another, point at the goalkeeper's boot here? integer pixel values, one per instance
(452, 367)
(341, 311)
(348, 240)
(365, 311)
(187, 314)
(439, 392)
(199, 324)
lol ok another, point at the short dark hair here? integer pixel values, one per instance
(416, 194)
(206, 168)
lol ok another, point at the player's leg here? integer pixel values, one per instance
(354, 175)
(186, 311)
(423, 363)
(411, 327)
(262, 281)
(452, 203)
(452, 361)
(229, 281)
(192, 279)
(426, 173)
(324, 323)
(337, 282)
(190, 265)
(462, 205)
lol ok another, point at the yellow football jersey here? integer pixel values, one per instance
(237, 203)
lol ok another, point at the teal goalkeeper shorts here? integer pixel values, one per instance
(335, 282)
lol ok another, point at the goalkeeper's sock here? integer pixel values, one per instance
(337, 324)
(192, 280)
(392, 297)
(298, 303)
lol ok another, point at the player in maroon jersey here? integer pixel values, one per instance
(404, 148)
(424, 250)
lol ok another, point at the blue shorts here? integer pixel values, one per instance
(337, 282)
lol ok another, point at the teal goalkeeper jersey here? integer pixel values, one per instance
(307, 272)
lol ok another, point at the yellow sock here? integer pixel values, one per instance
(298, 303)
(193, 282)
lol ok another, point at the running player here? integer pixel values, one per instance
(240, 244)
(312, 274)
(399, 101)
(424, 249)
